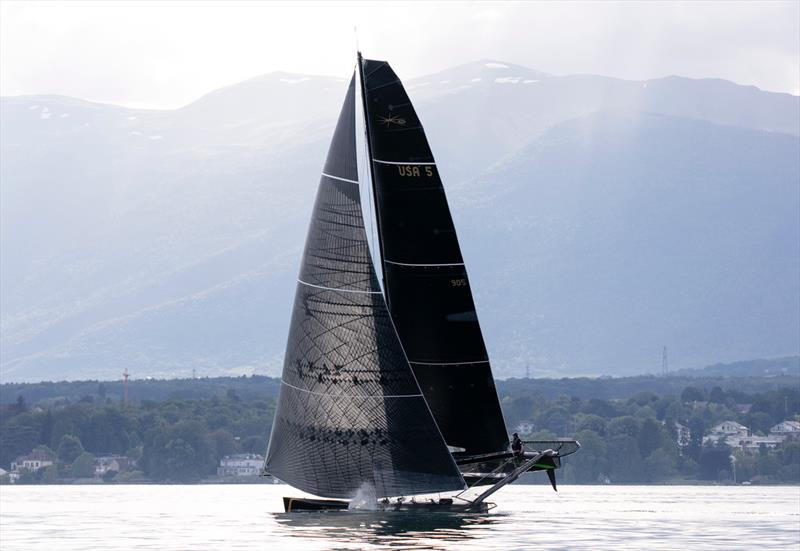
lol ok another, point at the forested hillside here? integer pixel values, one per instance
(630, 428)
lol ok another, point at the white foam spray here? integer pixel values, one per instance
(364, 498)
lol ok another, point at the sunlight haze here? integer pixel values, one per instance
(167, 54)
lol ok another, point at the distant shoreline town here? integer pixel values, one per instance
(695, 428)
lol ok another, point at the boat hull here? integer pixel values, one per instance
(303, 504)
(294, 504)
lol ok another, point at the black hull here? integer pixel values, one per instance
(302, 504)
(293, 504)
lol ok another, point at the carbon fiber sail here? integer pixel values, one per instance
(425, 280)
(350, 412)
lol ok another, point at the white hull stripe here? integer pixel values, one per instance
(339, 290)
(407, 264)
(351, 395)
(405, 163)
(341, 179)
(451, 363)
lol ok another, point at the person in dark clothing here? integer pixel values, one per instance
(516, 444)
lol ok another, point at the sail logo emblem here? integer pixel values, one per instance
(394, 119)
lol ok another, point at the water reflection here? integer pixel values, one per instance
(397, 529)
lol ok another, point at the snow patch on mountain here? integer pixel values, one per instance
(508, 80)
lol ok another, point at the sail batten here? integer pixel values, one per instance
(350, 411)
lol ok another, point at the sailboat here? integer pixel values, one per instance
(387, 389)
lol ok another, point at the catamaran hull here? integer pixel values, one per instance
(302, 504)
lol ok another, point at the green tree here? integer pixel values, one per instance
(714, 459)
(83, 466)
(254, 444)
(593, 423)
(224, 443)
(625, 461)
(69, 449)
(590, 464)
(692, 394)
(717, 395)
(18, 436)
(659, 465)
(651, 436)
(19, 407)
(181, 460)
(49, 475)
(697, 428)
(556, 419)
(760, 422)
(624, 426)
(46, 432)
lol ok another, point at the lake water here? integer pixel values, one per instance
(527, 517)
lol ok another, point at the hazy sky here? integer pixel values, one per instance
(166, 54)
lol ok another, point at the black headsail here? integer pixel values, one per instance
(425, 279)
(350, 411)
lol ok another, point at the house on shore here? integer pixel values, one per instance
(738, 436)
(37, 459)
(786, 428)
(240, 464)
(106, 463)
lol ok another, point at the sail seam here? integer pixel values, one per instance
(409, 264)
(352, 395)
(342, 290)
(403, 163)
(339, 178)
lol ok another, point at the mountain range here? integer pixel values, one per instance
(601, 220)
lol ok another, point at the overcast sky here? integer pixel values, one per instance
(165, 55)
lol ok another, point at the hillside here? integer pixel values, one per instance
(601, 219)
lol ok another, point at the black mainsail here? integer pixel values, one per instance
(425, 280)
(350, 412)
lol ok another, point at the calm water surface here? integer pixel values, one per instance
(527, 517)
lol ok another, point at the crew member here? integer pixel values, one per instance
(516, 444)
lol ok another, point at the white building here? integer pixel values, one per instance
(754, 443)
(240, 464)
(106, 463)
(37, 459)
(786, 428)
(728, 428)
(729, 432)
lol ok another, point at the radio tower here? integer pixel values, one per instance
(125, 376)
(527, 370)
(664, 364)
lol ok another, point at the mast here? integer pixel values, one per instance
(372, 176)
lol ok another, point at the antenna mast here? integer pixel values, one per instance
(664, 364)
(125, 376)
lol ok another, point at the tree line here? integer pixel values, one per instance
(638, 441)
(177, 440)
(624, 440)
